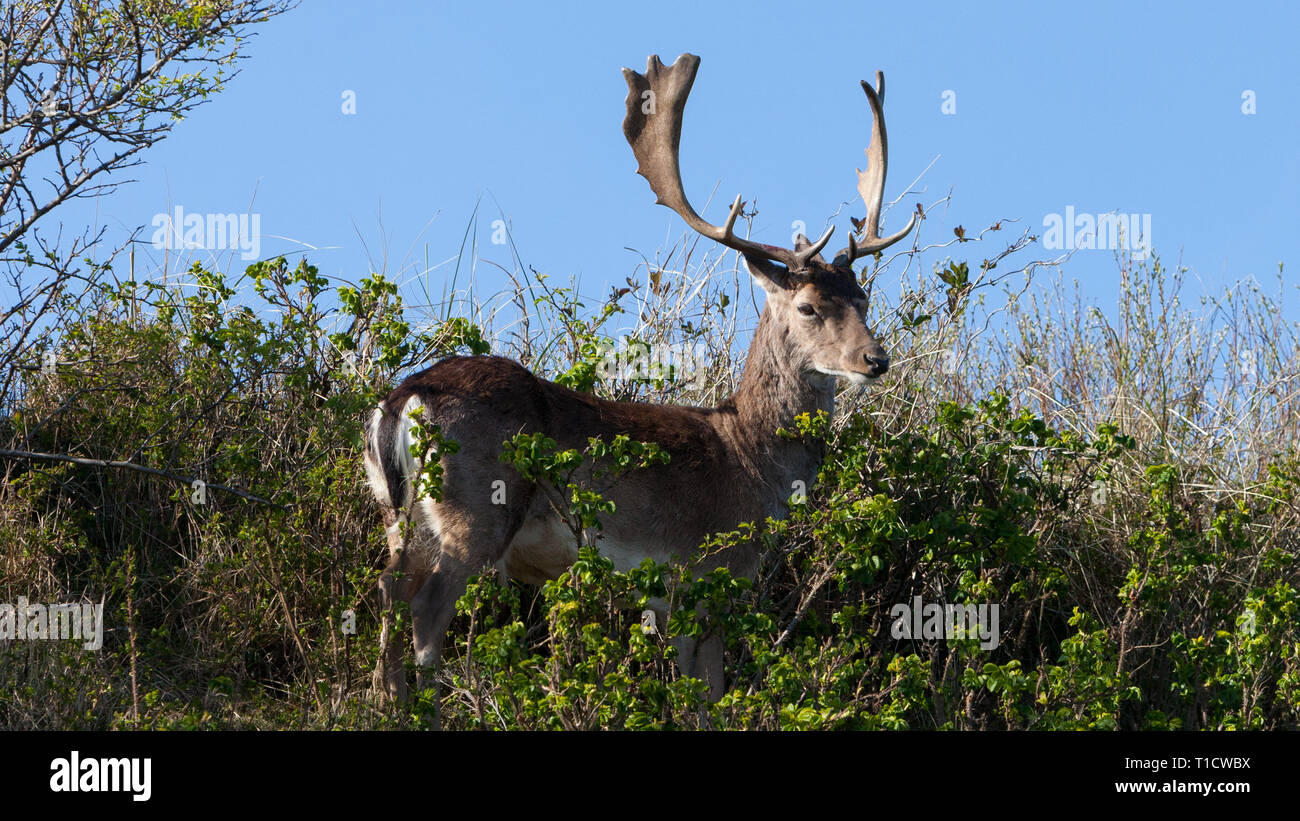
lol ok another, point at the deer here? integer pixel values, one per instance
(727, 464)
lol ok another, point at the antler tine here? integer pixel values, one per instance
(871, 183)
(653, 127)
(814, 249)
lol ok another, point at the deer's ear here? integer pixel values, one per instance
(772, 277)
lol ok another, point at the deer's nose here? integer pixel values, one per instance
(876, 365)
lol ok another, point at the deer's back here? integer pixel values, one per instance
(480, 402)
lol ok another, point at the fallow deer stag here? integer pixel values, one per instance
(727, 466)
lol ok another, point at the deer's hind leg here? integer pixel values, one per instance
(473, 535)
(409, 561)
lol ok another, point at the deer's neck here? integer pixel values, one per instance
(772, 392)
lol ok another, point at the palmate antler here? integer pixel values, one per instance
(653, 127)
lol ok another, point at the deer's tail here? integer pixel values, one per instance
(390, 467)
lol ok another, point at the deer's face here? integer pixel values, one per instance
(824, 310)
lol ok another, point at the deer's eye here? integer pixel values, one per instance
(807, 309)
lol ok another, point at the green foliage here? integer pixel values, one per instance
(217, 607)
(599, 668)
(1129, 596)
(537, 459)
(979, 505)
(427, 447)
(578, 333)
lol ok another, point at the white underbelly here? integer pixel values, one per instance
(545, 547)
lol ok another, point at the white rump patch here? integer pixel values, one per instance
(374, 470)
(424, 513)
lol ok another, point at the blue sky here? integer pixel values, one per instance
(1100, 107)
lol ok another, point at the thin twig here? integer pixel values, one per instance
(104, 463)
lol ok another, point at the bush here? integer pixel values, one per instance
(1142, 566)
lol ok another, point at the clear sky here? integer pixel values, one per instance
(1097, 107)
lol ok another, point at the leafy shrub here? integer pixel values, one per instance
(1138, 583)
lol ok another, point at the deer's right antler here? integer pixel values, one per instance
(653, 127)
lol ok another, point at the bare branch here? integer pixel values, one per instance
(104, 463)
(77, 78)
